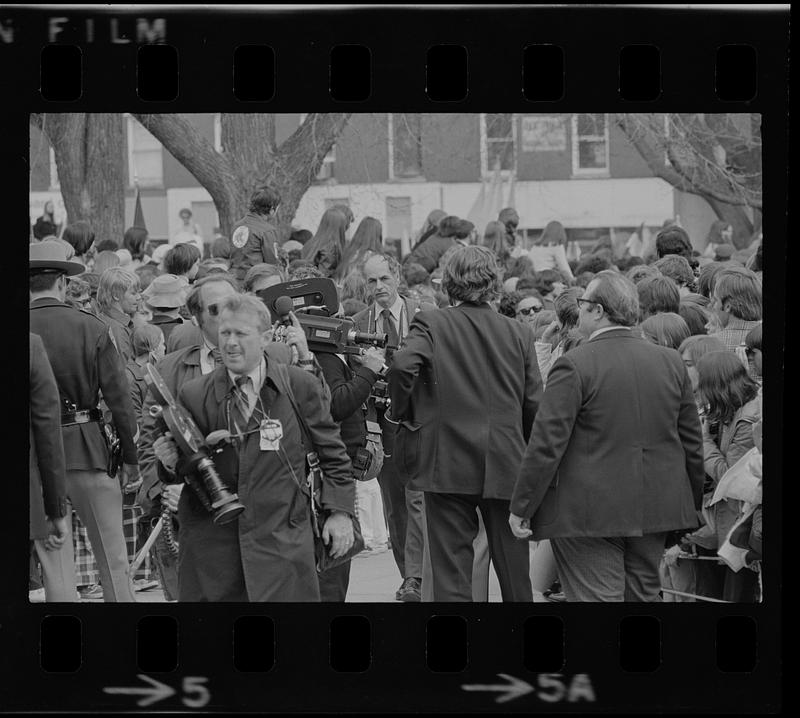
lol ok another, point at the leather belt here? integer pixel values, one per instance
(81, 417)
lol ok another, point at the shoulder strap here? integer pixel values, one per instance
(283, 374)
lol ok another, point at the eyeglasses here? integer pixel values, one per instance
(213, 310)
(527, 310)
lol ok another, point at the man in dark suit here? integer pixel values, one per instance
(85, 363)
(615, 459)
(465, 390)
(392, 314)
(49, 512)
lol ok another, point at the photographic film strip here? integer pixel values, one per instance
(451, 60)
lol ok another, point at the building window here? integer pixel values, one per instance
(590, 144)
(405, 146)
(498, 139)
(145, 157)
(54, 183)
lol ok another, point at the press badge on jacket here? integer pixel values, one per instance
(271, 431)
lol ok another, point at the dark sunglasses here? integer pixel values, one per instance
(527, 310)
(213, 310)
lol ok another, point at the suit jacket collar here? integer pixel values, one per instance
(47, 302)
(616, 333)
(223, 384)
(473, 305)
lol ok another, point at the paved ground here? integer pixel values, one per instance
(374, 578)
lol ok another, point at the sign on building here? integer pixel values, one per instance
(543, 133)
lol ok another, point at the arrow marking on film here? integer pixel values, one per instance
(515, 688)
(157, 692)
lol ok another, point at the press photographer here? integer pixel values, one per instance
(392, 314)
(267, 552)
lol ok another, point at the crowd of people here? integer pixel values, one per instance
(591, 427)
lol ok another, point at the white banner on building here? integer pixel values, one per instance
(543, 133)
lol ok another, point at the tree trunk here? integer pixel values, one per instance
(249, 158)
(89, 158)
(737, 218)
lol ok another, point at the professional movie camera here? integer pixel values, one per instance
(315, 301)
(216, 497)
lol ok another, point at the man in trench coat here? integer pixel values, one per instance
(267, 552)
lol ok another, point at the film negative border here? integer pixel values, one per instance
(486, 657)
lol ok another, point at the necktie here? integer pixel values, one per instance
(241, 404)
(216, 355)
(389, 329)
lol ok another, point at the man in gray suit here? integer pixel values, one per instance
(615, 458)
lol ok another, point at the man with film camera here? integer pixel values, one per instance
(267, 553)
(392, 314)
(157, 451)
(350, 390)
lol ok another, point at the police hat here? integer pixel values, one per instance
(52, 257)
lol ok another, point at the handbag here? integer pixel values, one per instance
(322, 552)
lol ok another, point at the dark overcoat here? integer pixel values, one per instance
(267, 553)
(46, 476)
(465, 390)
(616, 449)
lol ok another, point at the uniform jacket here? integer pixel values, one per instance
(269, 548)
(47, 477)
(465, 390)
(85, 363)
(616, 449)
(252, 242)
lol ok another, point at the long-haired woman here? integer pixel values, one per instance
(367, 240)
(549, 252)
(494, 237)
(327, 246)
(732, 407)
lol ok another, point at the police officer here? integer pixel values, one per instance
(84, 363)
(254, 237)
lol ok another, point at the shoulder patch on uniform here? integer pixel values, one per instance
(240, 237)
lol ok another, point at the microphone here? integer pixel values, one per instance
(284, 305)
